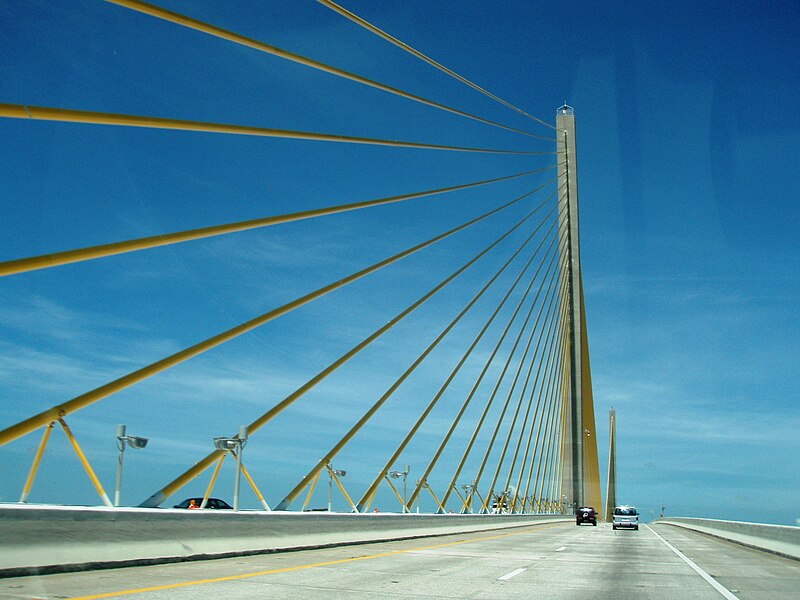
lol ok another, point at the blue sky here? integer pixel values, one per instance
(686, 142)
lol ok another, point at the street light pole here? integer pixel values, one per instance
(330, 489)
(122, 441)
(121, 446)
(405, 491)
(331, 473)
(242, 440)
(235, 444)
(404, 475)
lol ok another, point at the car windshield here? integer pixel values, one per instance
(625, 511)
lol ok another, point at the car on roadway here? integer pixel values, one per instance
(625, 517)
(586, 514)
(213, 503)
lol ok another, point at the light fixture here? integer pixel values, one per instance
(137, 442)
(124, 440)
(227, 444)
(331, 473)
(404, 475)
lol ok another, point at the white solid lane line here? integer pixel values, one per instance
(513, 573)
(714, 583)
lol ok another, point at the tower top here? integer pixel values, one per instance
(565, 110)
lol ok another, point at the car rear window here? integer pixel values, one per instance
(626, 512)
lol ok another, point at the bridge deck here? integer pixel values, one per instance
(558, 561)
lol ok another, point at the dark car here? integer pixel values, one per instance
(586, 514)
(213, 503)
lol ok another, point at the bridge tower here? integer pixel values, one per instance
(580, 478)
(611, 490)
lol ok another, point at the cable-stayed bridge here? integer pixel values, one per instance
(528, 396)
(447, 309)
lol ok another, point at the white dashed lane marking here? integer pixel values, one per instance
(513, 573)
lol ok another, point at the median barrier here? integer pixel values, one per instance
(783, 540)
(49, 539)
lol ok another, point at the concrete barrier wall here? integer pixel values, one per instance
(40, 539)
(778, 539)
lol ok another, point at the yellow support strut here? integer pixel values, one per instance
(311, 490)
(98, 486)
(213, 481)
(341, 487)
(35, 466)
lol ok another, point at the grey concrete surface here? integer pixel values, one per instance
(552, 561)
(40, 539)
(783, 540)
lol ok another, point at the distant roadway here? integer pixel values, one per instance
(554, 561)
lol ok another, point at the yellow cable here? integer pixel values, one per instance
(44, 113)
(44, 261)
(358, 20)
(183, 20)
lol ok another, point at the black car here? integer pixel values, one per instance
(586, 514)
(213, 503)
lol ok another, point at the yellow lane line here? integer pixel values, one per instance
(171, 586)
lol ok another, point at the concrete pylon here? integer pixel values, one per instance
(572, 478)
(611, 490)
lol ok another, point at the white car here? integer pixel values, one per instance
(625, 517)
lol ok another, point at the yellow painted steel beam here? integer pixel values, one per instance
(549, 336)
(435, 499)
(311, 491)
(489, 403)
(543, 424)
(611, 481)
(368, 503)
(485, 369)
(213, 480)
(366, 25)
(547, 362)
(443, 388)
(477, 492)
(593, 492)
(24, 427)
(44, 113)
(499, 382)
(85, 462)
(36, 461)
(403, 506)
(213, 30)
(44, 261)
(543, 452)
(542, 463)
(253, 485)
(461, 497)
(377, 405)
(520, 367)
(341, 488)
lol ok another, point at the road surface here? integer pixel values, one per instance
(554, 561)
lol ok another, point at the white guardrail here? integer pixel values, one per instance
(783, 540)
(48, 539)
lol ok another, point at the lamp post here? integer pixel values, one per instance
(404, 475)
(331, 473)
(122, 441)
(468, 488)
(230, 445)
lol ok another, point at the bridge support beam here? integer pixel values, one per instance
(573, 471)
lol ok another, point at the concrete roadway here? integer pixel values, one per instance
(551, 561)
